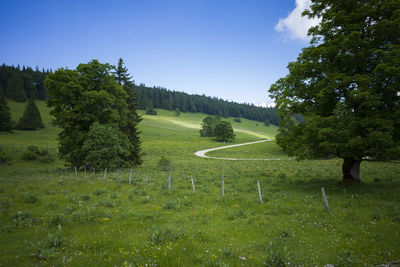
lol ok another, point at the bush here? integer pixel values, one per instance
(3, 157)
(164, 163)
(237, 120)
(33, 153)
(151, 111)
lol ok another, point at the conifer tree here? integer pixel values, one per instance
(133, 117)
(31, 119)
(5, 116)
(15, 88)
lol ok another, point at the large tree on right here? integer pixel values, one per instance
(346, 84)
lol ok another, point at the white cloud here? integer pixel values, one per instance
(294, 25)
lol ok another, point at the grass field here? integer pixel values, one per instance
(50, 216)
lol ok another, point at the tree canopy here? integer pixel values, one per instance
(82, 97)
(346, 85)
(223, 131)
(208, 125)
(6, 123)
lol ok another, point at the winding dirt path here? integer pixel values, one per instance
(202, 153)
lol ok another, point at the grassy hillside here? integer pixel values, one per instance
(50, 216)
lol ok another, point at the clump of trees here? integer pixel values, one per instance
(346, 85)
(31, 119)
(212, 126)
(21, 84)
(90, 105)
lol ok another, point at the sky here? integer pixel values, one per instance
(230, 49)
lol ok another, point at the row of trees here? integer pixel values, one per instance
(157, 97)
(21, 84)
(95, 108)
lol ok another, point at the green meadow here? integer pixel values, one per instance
(51, 215)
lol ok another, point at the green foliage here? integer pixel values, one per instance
(31, 119)
(223, 131)
(267, 123)
(80, 98)
(346, 86)
(237, 120)
(208, 126)
(151, 111)
(177, 112)
(6, 123)
(164, 163)
(3, 157)
(15, 88)
(104, 147)
(33, 153)
(133, 118)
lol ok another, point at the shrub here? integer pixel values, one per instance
(33, 153)
(159, 235)
(164, 163)
(29, 198)
(3, 157)
(237, 120)
(22, 218)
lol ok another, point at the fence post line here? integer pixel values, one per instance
(325, 200)
(259, 191)
(191, 178)
(130, 177)
(223, 186)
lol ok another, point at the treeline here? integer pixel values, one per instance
(20, 84)
(158, 97)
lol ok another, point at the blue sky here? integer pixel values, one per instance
(232, 49)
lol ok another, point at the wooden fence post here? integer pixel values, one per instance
(223, 186)
(259, 191)
(117, 174)
(147, 179)
(130, 177)
(76, 172)
(191, 178)
(325, 200)
(84, 167)
(169, 182)
(105, 174)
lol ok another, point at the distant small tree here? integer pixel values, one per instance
(150, 109)
(224, 132)
(208, 125)
(237, 120)
(15, 88)
(105, 147)
(267, 123)
(31, 119)
(5, 115)
(177, 112)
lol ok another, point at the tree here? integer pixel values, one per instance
(208, 126)
(267, 123)
(80, 98)
(177, 112)
(104, 147)
(133, 118)
(31, 119)
(5, 115)
(346, 84)
(15, 88)
(224, 132)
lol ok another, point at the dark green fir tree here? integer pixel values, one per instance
(5, 115)
(133, 118)
(31, 119)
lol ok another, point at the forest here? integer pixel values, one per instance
(20, 84)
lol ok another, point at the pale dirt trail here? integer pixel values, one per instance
(202, 153)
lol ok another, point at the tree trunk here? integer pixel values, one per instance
(351, 170)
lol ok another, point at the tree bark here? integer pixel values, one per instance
(351, 170)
